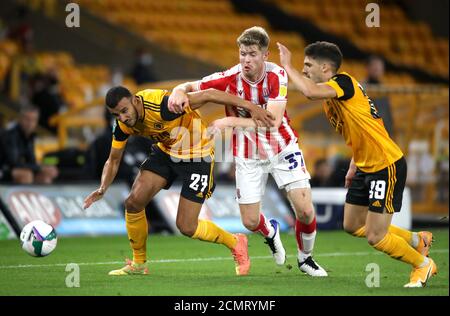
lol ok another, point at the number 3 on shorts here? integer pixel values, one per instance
(196, 178)
(377, 189)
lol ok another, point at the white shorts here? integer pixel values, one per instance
(286, 168)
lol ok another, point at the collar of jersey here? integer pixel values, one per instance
(257, 81)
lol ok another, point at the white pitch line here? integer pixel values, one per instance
(330, 254)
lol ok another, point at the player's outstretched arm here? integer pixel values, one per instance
(200, 98)
(179, 99)
(309, 88)
(109, 173)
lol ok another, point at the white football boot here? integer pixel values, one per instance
(275, 244)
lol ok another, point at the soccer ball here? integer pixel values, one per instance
(38, 238)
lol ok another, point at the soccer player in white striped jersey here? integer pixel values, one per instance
(259, 151)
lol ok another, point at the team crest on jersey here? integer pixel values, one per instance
(283, 91)
(265, 92)
(158, 126)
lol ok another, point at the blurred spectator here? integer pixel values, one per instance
(24, 67)
(375, 74)
(142, 71)
(20, 29)
(17, 151)
(46, 96)
(321, 174)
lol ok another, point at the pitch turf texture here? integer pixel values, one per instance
(180, 266)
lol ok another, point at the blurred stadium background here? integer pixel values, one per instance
(157, 44)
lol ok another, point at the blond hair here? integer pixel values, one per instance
(255, 35)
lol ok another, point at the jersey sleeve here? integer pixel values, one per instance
(343, 86)
(218, 80)
(278, 81)
(119, 135)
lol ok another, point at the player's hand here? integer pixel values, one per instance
(285, 56)
(94, 196)
(350, 174)
(177, 101)
(261, 116)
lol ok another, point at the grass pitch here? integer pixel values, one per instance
(183, 267)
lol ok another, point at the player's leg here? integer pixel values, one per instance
(155, 174)
(355, 214)
(289, 171)
(385, 198)
(354, 224)
(144, 188)
(198, 185)
(299, 194)
(251, 179)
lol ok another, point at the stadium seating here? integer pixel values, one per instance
(400, 40)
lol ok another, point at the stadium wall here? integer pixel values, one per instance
(61, 206)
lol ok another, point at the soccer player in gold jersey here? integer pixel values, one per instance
(183, 150)
(377, 173)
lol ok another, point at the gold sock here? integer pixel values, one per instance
(405, 234)
(400, 232)
(399, 249)
(208, 231)
(361, 232)
(137, 228)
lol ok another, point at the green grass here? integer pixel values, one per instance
(344, 257)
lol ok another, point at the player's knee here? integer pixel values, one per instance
(250, 223)
(186, 229)
(349, 228)
(305, 214)
(374, 238)
(132, 206)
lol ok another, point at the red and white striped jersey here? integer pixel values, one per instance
(272, 86)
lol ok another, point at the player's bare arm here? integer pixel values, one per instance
(311, 90)
(276, 108)
(179, 99)
(199, 98)
(350, 173)
(109, 173)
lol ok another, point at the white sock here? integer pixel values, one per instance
(424, 263)
(415, 240)
(308, 245)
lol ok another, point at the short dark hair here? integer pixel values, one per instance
(115, 94)
(325, 50)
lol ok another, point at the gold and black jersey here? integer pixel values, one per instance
(179, 135)
(354, 115)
